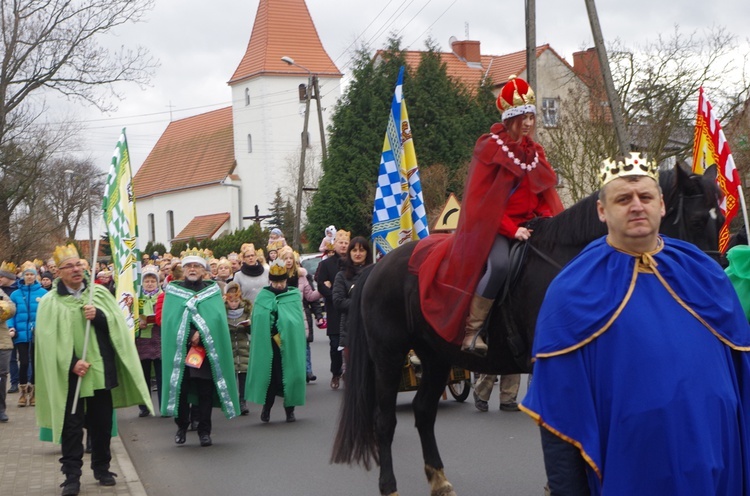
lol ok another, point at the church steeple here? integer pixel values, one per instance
(283, 28)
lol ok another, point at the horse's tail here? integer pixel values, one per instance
(355, 440)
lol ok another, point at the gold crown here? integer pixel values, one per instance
(341, 234)
(28, 264)
(634, 164)
(5, 310)
(278, 268)
(38, 263)
(62, 253)
(8, 267)
(195, 252)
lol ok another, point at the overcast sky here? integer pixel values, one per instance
(200, 44)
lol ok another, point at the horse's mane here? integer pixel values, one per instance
(574, 226)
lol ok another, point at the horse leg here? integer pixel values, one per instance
(388, 378)
(434, 377)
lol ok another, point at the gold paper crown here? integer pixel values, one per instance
(278, 268)
(62, 253)
(5, 310)
(634, 164)
(28, 264)
(195, 252)
(10, 268)
(340, 234)
(38, 263)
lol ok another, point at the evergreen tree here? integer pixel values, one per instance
(446, 119)
(277, 211)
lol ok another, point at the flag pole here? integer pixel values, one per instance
(741, 194)
(88, 322)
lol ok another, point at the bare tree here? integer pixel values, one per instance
(658, 86)
(53, 45)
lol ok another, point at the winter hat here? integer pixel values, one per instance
(48, 275)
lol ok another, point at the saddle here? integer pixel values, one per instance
(513, 336)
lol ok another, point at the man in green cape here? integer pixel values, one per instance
(278, 346)
(110, 375)
(194, 325)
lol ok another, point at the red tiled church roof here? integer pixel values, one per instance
(284, 28)
(192, 152)
(202, 227)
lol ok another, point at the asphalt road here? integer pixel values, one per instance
(493, 453)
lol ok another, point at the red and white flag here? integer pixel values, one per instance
(710, 147)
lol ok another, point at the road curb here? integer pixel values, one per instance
(129, 474)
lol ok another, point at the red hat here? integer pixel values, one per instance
(516, 98)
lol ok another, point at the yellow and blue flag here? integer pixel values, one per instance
(119, 215)
(399, 214)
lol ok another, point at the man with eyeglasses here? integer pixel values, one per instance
(196, 350)
(110, 376)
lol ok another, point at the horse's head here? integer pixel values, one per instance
(692, 208)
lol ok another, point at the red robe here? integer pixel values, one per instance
(449, 265)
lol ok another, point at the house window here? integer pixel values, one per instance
(170, 225)
(249, 143)
(247, 97)
(151, 228)
(550, 110)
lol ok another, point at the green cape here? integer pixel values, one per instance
(204, 310)
(60, 331)
(285, 310)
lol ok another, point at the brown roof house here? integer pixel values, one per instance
(208, 171)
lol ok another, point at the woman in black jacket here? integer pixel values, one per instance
(358, 256)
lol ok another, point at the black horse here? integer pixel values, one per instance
(386, 322)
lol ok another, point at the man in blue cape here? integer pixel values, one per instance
(642, 373)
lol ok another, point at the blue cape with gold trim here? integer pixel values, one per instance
(644, 368)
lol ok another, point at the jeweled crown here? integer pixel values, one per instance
(515, 98)
(63, 253)
(634, 164)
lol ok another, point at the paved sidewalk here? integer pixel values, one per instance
(30, 467)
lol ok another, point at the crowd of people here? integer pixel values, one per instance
(211, 332)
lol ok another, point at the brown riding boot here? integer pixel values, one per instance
(30, 394)
(22, 399)
(478, 311)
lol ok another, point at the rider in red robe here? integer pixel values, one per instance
(510, 182)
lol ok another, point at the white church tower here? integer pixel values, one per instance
(268, 102)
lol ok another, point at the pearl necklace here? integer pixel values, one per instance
(516, 160)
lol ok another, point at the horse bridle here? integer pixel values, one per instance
(680, 222)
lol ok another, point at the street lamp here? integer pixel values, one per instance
(88, 201)
(312, 85)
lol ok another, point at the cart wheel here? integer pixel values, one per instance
(460, 390)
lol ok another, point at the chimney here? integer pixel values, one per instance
(586, 65)
(467, 50)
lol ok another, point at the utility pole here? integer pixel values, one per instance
(296, 242)
(312, 83)
(323, 148)
(621, 130)
(531, 47)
